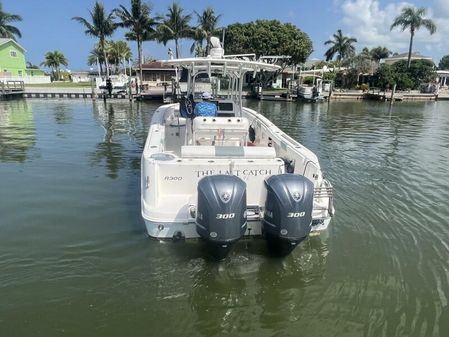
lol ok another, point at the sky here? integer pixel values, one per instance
(47, 24)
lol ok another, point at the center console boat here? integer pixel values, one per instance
(231, 174)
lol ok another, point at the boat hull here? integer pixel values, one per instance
(175, 230)
(172, 169)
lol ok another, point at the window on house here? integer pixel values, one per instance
(165, 77)
(20, 73)
(13, 53)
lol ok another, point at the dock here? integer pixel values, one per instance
(274, 95)
(347, 95)
(382, 95)
(153, 94)
(17, 89)
(11, 89)
(85, 93)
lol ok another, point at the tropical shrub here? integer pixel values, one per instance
(364, 87)
(308, 80)
(420, 71)
(384, 77)
(444, 63)
(268, 37)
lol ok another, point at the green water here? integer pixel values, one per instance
(75, 259)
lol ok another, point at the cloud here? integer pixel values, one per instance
(441, 8)
(370, 23)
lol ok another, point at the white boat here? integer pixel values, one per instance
(319, 91)
(305, 92)
(119, 84)
(311, 92)
(235, 174)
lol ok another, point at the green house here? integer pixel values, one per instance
(34, 72)
(12, 58)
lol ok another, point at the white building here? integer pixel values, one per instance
(443, 78)
(404, 57)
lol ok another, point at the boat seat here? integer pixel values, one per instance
(217, 141)
(220, 131)
(203, 140)
(250, 152)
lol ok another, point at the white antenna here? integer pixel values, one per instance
(223, 37)
(170, 54)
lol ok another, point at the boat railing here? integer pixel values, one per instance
(10, 86)
(325, 192)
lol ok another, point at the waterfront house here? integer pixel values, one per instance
(156, 74)
(291, 73)
(31, 72)
(13, 64)
(12, 58)
(443, 78)
(404, 57)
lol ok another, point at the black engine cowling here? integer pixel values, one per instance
(288, 211)
(221, 212)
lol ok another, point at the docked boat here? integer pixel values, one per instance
(318, 91)
(231, 173)
(310, 93)
(119, 84)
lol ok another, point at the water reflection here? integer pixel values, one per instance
(63, 113)
(284, 284)
(250, 290)
(108, 153)
(122, 123)
(17, 130)
(218, 297)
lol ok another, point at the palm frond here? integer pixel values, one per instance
(6, 29)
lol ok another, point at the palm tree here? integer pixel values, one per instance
(341, 46)
(379, 53)
(362, 63)
(175, 26)
(365, 53)
(101, 27)
(53, 60)
(198, 51)
(30, 65)
(207, 26)
(6, 30)
(413, 19)
(117, 52)
(141, 25)
(96, 57)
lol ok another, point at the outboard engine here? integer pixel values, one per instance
(221, 212)
(288, 212)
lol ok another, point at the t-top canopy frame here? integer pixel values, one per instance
(235, 69)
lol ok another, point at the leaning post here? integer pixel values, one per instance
(331, 87)
(93, 87)
(392, 94)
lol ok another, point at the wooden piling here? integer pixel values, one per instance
(392, 94)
